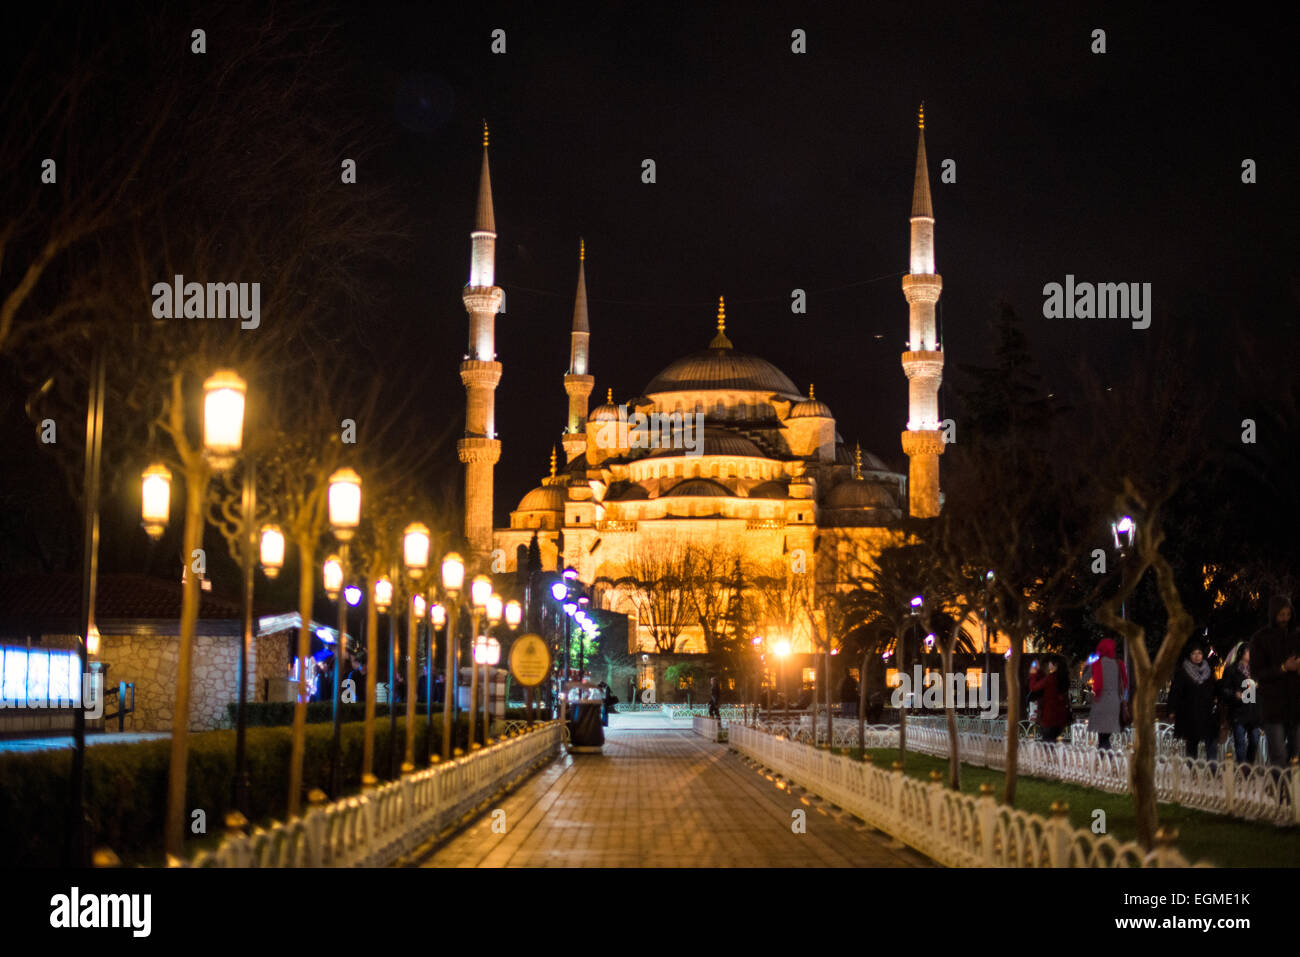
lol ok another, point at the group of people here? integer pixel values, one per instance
(1257, 695)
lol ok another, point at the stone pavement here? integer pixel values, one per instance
(662, 799)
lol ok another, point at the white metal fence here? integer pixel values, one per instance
(1249, 791)
(957, 830)
(378, 827)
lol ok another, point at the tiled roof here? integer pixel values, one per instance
(121, 597)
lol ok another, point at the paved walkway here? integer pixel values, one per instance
(663, 799)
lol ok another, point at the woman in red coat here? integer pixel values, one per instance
(1053, 704)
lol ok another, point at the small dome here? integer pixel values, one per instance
(700, 487)
(546, 498)
(810, 407)
(771, 489)
(856, 493)
(607, 412)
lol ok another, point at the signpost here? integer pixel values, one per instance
(530, 664)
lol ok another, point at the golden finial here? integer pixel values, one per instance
(485, 133)
(552, 461)
(810, 391)
(582, 249)
(722, 314)
(857, 460)
(920, 117)
(609, 396)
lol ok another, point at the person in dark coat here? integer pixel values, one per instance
(1053, 686)
(1275, 665)
(1109, 687)
(1237, 693)
(715, 699)
(1193, 703)
(849, 696)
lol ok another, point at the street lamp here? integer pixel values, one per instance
(155, 499)
(344, 517)
(480, 591)
(332, 572)
(1123, 531)
(453, 579)
(223, 417)
(437, 618)
(415, 556)
(271, 550)
(415, 549)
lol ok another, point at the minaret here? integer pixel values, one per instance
(923, 362)
(480, 449)
(578, 384)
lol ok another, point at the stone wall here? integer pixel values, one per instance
(150, 661)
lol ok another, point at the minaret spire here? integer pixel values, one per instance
(480, 449)
(578, 384)
(923, 362)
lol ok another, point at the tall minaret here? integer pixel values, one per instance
(480, 449)
(923, 362)
(578, 384)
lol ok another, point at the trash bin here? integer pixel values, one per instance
(585, 732)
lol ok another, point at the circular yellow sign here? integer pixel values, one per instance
(530, 660)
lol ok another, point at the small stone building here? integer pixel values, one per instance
(138, 618)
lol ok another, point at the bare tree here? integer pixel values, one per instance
(660, 575)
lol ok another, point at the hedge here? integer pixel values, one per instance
(277, 713)
(126, 786)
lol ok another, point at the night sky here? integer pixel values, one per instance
(779, 171)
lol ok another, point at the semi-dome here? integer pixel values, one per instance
(544, 498)
(856, 493)
(715, 443)
(626, 492)
(700, 487)
(771, 489)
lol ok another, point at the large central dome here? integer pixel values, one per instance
(722, 369)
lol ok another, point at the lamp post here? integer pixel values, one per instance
(762, 663)
(1123, 532)
(415, 555)
(437, 619)
(382, 592)
(495, 609)
(480, 590)
(988, 581)
(782, 649)
(453, 579)
(344, 517)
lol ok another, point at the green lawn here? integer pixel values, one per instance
(1223, 841)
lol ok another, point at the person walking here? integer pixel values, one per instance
(1053, 687)
(1275, 665)
(1109, 688)
(715, 699)
(1238, 693)
(1193, 703)
(849, 696)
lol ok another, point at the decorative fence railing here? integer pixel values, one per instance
(957, 830)
(1255, 792)
(680, 712)
(710, 728)
(378, 827)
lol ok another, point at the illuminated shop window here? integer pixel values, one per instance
(810, 676)
(39, 678)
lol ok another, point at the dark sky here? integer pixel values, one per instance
(779, 171)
